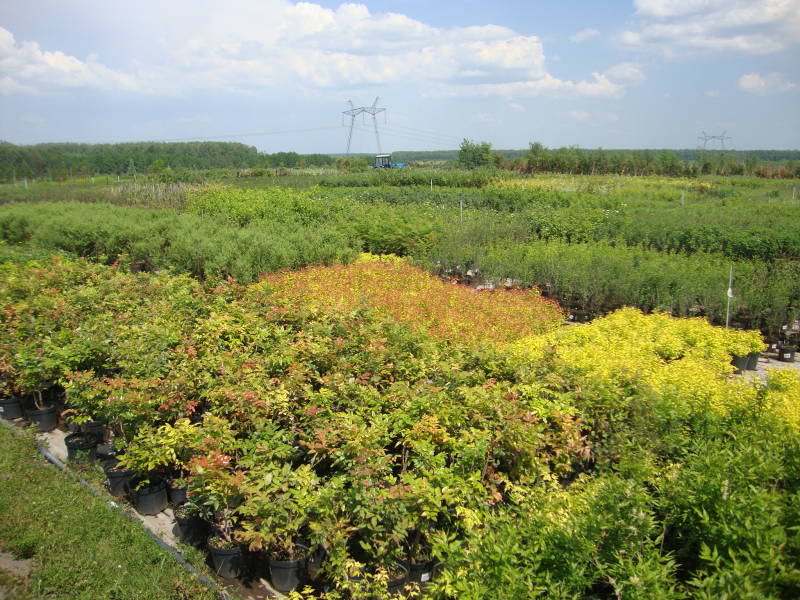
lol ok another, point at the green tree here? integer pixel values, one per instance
(473, 154)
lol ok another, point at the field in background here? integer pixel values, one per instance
(593, 243)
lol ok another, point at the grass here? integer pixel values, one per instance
(82, 548)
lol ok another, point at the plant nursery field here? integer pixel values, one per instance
(593, 243)
(347, 420)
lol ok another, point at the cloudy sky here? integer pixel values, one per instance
(612, 73)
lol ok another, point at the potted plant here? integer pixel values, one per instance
(10, 407)
(745, 348)
(192, 528)
(148, 460)
(215, 489)
(44, 415)
(276, 501)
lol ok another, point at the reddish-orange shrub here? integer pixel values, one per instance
(413, 296)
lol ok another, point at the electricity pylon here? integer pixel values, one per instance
(353, 112)
(705, 138)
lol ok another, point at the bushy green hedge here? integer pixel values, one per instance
(598, 277)
(155, 239)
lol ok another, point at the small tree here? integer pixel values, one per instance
(473, 154)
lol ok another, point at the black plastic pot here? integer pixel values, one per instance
(193, 530)
(787, 353)
(420, 572)
(80, 445)
(740, 362)
(96, 429)
(314, 562)
(106, 450)
(176, 495)
(10, 408)
(227, 561)
(45, 418)
(149, 500)
(117, 480)
(397, 584)
(752, 361)
(286, 575)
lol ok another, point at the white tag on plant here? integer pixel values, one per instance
(425, 577)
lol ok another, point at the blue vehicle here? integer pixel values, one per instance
(384, 161)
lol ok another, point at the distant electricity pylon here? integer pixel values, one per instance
(363, 110)
(705, 138)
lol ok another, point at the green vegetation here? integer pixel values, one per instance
(196, 161)
(82, 548)
(614, 459)
(166, 160)
(593, 243)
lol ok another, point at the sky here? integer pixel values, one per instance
(278, 74)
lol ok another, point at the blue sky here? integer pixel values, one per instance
(613, 74)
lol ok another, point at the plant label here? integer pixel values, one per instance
(425, 577)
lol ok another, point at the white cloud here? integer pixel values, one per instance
(678, 27)
(246, 48)
(547, 86)
(578, 115)
(628, 72)
(582, 115)
(712, 93)
(516, 107)
(583, 35)
(772, 83)
(484, 118)
(25, 67)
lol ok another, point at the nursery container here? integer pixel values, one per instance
(420, 572)
(80, 445)
(176, 495)
(787, 353)
(96, 429)
(740, 362)
(10, 408)
(227, 561)
(752, 361)
(286, 575)
(45, 418)
(192, 530)
(149, 500)
(117, 480)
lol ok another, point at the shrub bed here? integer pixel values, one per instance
(571, 464)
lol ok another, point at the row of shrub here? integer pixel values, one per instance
(736, 218)
(617, 459)
(655, 217)
(150, 239)
(583, 243)
(598, 277)
(420, 300)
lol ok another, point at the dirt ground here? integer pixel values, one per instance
(13, 573)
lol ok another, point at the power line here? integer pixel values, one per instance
(429, 132)
(230, 135)
(443, 145)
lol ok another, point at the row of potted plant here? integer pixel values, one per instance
(346, 435)
(340, 443)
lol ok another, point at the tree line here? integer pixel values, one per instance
(62, 160)
(578, 161)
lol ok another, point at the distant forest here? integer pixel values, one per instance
(59, 161)
(771, 156)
